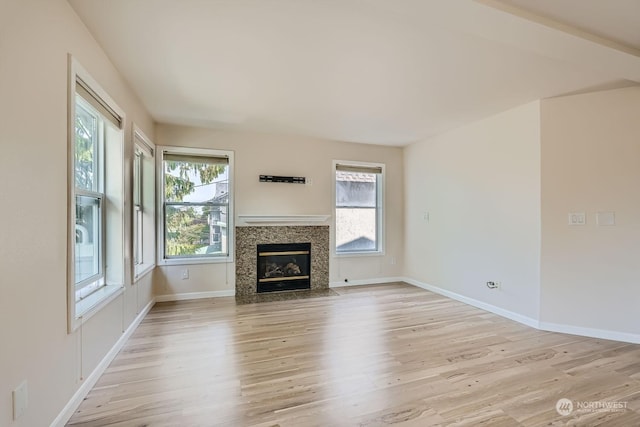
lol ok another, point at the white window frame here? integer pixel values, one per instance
(160, 209)
(142, 262)
(380, 210)
(138, 208)
(90, 284)
(97, 292)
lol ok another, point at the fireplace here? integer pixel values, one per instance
(249, 237)
(283, 267)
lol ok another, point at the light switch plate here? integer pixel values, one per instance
(577, 218)
(606, 218)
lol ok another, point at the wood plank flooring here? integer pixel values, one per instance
(371, 356)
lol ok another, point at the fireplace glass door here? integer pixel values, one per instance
(284, 267)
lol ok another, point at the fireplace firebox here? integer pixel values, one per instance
(284, 267)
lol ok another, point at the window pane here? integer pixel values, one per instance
(356, 211)
(137, 179)
(195, 230)
(137, 236)
(356, 189)
(196, 182)
(356, 229)
(87, 247)
(86, 137)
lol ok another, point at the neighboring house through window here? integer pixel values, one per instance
(358, 207)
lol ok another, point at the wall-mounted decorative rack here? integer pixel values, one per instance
(285, 179)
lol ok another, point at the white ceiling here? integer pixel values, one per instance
(616, 20)
(370, 71)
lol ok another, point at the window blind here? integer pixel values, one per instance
(98, 103)
(358, 169)
(194, 158)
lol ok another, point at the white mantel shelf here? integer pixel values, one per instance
(283, 219)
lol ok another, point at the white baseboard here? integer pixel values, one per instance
(363, 282)
(91, 380)
(195, 295)
(474, 302)
(590, 332)
(534, 323)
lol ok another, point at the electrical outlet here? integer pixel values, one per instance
(20, 400)
(185, 274)
(493, 285)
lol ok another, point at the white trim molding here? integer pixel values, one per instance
(283, 219)
(590, 332)
(528, 321)
(161, 152)
(111, 146)
(475, 303)
(381, 208)
(364, 282)
(92, 379)
(196, 295)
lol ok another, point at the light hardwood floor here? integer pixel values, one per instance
(372, 356)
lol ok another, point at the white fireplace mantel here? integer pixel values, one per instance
(282, 219)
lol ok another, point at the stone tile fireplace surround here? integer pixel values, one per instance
(249, 237)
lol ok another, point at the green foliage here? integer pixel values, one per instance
(85, 143)
(187, 230)
(177, 187)
(85, 134)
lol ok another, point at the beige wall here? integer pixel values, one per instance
(590, 163)
(498, 193)
(35, 38)
(256, 154)
(480, 185)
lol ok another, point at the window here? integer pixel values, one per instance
(358, 216)
(138, 209)
(96, 199)
(196, 194)
(143, 204)
(89, 198)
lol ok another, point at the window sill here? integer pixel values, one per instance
(188, 261)
(358, 254)
(92, 304)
